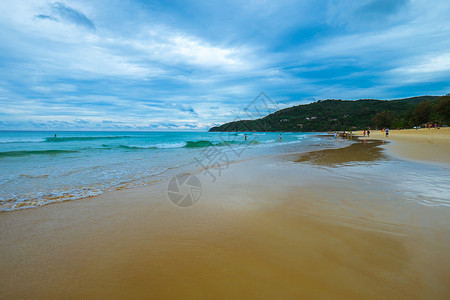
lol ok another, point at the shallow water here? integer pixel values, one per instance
(37, 168)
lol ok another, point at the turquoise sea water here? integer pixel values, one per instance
(37, 168)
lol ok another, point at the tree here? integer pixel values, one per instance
(442, 108)
(422, 113)
(383, 119)
(408, 118)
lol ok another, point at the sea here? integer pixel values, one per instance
(43, 167)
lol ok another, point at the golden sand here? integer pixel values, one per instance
(430, 145)
(265, 229)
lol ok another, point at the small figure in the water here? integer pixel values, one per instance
(55, 134)
(245, 137)
(280, 137)
(368, 132)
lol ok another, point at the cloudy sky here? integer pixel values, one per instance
(184, 65)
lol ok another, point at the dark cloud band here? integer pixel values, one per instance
(60, 12)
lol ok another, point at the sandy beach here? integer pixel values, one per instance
(424, 144)
(348, 223)
(210, 150)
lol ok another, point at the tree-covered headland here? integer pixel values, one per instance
(336, 115)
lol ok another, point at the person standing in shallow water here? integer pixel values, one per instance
(280, 137)
(368, 132)
(245, 137)
(387, 131)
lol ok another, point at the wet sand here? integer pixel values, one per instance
(350, 223)
(360, 152)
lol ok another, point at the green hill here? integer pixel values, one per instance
(330, 115)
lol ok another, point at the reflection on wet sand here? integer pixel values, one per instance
(360, 152)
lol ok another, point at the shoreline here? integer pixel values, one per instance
(423, 145)
(132, 184)
(326, 223)
(47, 171)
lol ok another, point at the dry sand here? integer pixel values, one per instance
(266, 229)
(429, 145)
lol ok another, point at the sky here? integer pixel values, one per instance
(190, 65)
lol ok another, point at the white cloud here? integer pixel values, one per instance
(423, 69)
(48, 89)
(429, 64)
(173, 48)
(196, 52)
(59, 67)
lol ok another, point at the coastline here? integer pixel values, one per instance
(267, 228)
(425, 145)
(38, 170)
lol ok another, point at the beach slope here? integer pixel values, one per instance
(349, 223)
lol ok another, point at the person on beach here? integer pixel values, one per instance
(364, 133)
(245, 137)
(368, 132)
(387, 131)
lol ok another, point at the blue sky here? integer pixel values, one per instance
(189, 65)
